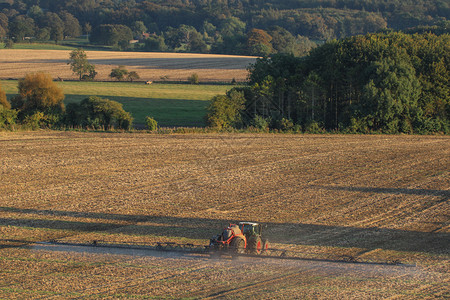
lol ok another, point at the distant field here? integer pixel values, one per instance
(15, 63)
(38, 46)
(169, 104)
(374, 198)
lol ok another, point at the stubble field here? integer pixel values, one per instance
(375, 198)
(16, 63)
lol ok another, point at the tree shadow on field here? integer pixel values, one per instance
(445, 194)
(203, 228)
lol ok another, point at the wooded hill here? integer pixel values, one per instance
(252, 27)
(385, 82)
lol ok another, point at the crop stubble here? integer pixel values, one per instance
(16, 63)
(373, 197)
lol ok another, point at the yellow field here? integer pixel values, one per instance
(376, 198)
(15, 63)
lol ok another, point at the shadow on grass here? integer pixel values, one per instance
(167, 112)
(293, 233)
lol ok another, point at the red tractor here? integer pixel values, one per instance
(242, 238)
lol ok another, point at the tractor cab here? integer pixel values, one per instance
(250, 229)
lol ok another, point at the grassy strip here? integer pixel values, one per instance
(170, 104)
(39, 46)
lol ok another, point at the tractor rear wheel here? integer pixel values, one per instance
(237, 245)
(255, 244)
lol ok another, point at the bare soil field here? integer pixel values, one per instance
(376, 198)
(15, 63)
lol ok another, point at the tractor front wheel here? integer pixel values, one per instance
(238, 245)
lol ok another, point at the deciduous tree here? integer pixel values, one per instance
(79, 63)
(119, 73)
(21, 27)
(111, 34)
(55, 25)
(259, 42)
(133, 75)
(38, 92)
(72, 27)
(3, 101)
(224, 111)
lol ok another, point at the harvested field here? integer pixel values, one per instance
(375, 198)
(15, 63)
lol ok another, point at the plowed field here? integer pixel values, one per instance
(376, 198)
(16, 63)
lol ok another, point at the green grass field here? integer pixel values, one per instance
(69, 44)
(170, 104)
(39, 46)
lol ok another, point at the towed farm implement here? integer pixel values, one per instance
(237, 240)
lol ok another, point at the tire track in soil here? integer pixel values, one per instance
(210, 174)
(192, 179)
(119, 284)
(432, 290)
(198, 178)
(397, 210)
(296, 184)
(43, 275)
(235, 154)
(381, 197)
(273, 280)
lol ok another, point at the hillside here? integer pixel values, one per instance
(375, 198)
(213, 26)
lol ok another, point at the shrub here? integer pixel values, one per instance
(34, 121)
(151, 123)
(9, 44)
(8, 118)
(314, 127)
(3, 101)
(358, 125)
(224, 111)
(283, 124)
(98, 113)
(297, 128)
(261, 123)
(193, 79)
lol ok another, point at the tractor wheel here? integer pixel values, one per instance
(255, 245)
(265, 245)
(237, 245)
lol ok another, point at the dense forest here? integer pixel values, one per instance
(386, 82)
(255, 27)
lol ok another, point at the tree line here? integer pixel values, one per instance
(386, 82)
(253, 27)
